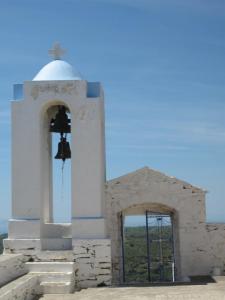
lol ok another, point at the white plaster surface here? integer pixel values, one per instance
(92, 262)
(214, 291)
(54, 277)
(48, 256)
(56, 244)
(32, 230)
(55, 288)
(96, 209)
(24, 229)
(57, 70)
(198, 247)
(56, 230)
(216, 245)
(42, 277)
(23, 288)
(24, 246)
(91, 228)
(11, 266)
(31, 150)
(50, 266)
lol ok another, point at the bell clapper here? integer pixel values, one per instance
(63, 140)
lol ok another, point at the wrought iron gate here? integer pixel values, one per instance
(148, 249)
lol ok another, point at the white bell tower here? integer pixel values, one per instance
(31, 228)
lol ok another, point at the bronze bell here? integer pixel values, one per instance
(61, 123)
(64, 151)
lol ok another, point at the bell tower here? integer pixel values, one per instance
(59, 100)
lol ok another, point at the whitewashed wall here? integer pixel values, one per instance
(11, 267)
(198, 247)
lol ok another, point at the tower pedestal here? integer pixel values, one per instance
(91, 251)
(55, 91)
(23, 237)
(88, 227)
(93, 262)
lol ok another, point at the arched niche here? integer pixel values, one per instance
(59, 173)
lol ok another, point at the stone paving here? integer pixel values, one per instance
(211, 291)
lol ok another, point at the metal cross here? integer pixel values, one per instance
(56, 52)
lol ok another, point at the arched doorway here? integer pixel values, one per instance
(148, 246)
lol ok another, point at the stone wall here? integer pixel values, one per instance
(92, 262)
(11, 267)
(198, 247)
(23, 288)
(216, 245)
(92, 258)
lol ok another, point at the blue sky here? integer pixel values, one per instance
(162, 65)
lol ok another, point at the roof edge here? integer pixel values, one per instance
(147, 169)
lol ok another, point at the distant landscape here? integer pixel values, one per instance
(3, 233)
(135, 251)
(3, 226)
(2, 237)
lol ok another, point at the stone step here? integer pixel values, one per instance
(11, 267)
(56, 287)
(219, 279)
(142, 293)
(50, 266)
(54, 255)
(56, 243)
(54, 276)
(24, 287)
(25, 246)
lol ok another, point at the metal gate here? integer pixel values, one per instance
(148, 249)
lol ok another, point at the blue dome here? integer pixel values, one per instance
(57, 70)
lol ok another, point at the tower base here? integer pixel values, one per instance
(93, 262)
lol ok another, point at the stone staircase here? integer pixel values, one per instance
(54, 277)
(24, 287)
(55, 256)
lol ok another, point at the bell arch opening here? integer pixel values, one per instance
(149, 244)
(56, 167)
(60, 131)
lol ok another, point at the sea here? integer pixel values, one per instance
(3, 226)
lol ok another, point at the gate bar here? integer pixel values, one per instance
(173, 248)
(148, 248)
(123, 252)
